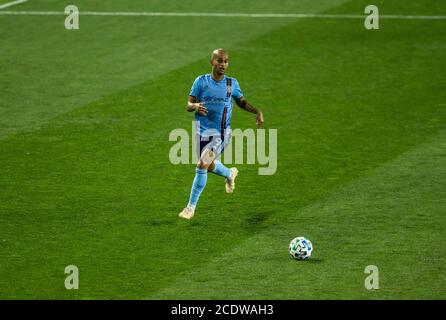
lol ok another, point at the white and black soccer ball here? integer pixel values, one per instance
(301, 248)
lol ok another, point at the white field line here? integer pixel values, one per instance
(229, 15)
(13, 3)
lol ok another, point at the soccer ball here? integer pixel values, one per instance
(301, 248)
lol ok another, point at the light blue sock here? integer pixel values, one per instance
(221, 170)
(201, 177)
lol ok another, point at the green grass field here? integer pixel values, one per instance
(85, 177)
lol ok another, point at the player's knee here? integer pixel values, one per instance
(202, 165)
(211, 166)
(206, 159)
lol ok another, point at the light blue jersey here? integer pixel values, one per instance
(217, 97)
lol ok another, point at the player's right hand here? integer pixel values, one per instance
(201, 109)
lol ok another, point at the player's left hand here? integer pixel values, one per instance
(259, 119)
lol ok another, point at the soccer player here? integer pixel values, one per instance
(211, 100)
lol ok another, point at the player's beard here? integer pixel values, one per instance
(218, 72)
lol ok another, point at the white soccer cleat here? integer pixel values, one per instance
(230, 183)
(187, 213)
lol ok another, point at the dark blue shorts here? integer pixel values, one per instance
(214, 143)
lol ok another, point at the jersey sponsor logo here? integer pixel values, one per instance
(216, 100)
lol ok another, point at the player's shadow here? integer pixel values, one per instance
(160, 222)
(312, 261)
(256, 221)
